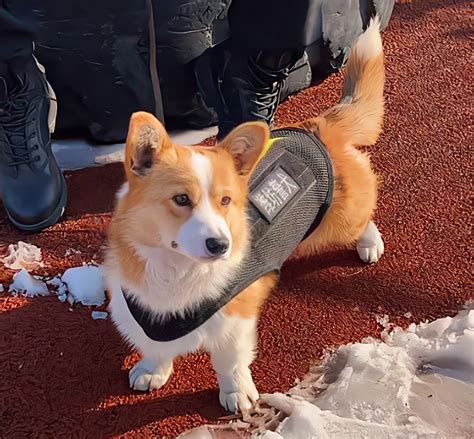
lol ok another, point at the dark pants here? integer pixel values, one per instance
(275, 24)
(296, 24)
(17, 31)
(254, 24)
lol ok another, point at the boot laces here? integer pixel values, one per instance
(13, 121)
(266, 101)
(266, 95)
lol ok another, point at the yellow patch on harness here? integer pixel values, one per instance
(269, 144)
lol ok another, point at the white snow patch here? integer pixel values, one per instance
(74, 154)
(25, 284)
(23, 255)
(122, 191)
(70, 300)
(413, 383)
(55, 282)
(85, 285)
(1, 288)
(71, 251)
(220, 431)
(100, 315)
(111, 157)
(383, 321)
(61, 287)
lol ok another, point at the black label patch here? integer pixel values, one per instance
(274, 193)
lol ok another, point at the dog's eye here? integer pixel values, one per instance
(225, 201)
(182, 200)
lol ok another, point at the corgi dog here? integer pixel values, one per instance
(179, 230)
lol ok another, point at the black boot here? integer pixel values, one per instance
(32, 187)
(242, 87)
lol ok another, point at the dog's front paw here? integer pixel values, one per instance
(242, 399)
(145, 377)
(237, 401)
(370, 245)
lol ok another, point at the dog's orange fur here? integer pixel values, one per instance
(179, 199)
(170, 174)
(341, 128)
(249, 302)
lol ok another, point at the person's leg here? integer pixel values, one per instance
(17, 33)
(243, 78)
(277, 25)
(252, 66)
(32, 187)
(241, 87)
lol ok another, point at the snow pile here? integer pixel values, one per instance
(222, 431)
(25, 284)
(85, 285)
(71, 251)
(23, 255)
(100, 315)
(61, 288)
(416, 382)
(82, 284)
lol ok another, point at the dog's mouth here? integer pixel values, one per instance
(214, 258)
(205, 257)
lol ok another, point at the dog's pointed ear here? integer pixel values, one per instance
(146, 140)
(246, 143)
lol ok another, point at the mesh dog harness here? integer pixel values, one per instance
(290, 191)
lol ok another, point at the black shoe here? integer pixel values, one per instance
(242, 88)
(31, 184)
(299, 77)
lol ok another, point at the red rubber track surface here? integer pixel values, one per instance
(63, 374)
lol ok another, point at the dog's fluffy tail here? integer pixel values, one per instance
(357, 119)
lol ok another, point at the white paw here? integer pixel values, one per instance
(370, 245)
(143, 376)
(244, 398)
(229, 401)
(237, 401)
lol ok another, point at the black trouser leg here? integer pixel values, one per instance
(17, 31)
(274, 32)
(292, 24)
(275, 24)
(280, 27)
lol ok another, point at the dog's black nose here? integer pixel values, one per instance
(217, 246)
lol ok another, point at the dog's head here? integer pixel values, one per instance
(190, 200)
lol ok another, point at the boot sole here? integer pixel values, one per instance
(52, 219)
